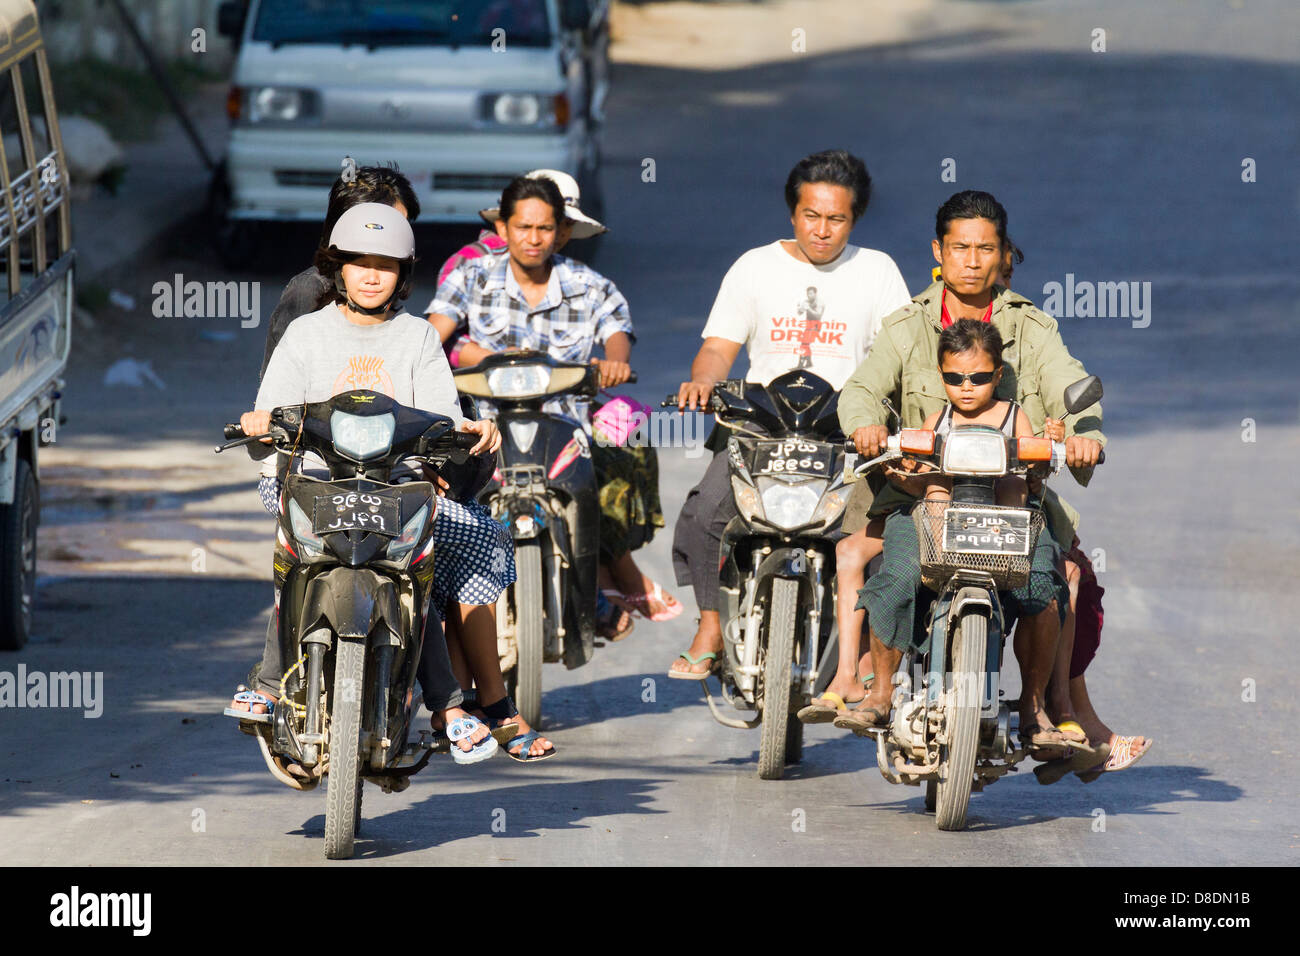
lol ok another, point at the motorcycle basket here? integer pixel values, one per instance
(1009, 571)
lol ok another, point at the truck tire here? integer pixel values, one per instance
(18, 523)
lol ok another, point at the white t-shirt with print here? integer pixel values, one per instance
(791, 314)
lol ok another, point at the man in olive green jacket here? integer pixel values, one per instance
(903, 366)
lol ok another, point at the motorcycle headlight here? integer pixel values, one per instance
(308, 540)
(362, 436)
(830, 506)
(791, 505)
(975, 453)
(748, 504)
(519, 381)
(401, 546)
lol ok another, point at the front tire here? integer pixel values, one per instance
(781, 622)
(958, 770)
(342, 803)
(529, 614)
(18, 523)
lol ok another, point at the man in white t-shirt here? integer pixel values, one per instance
(811, 302)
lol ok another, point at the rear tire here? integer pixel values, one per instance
(958, 770)
(781, 622)
(529, 614)
(342, 803)
(18, 523)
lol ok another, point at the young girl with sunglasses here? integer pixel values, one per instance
(970, 361)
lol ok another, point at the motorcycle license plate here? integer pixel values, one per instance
(358, 511)
(979, 531)
(792, 457)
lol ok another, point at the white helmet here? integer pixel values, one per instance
(374, 229)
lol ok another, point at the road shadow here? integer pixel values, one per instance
(515, 812)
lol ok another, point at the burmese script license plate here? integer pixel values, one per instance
(792, 457)
(357, 511)
(977, 531)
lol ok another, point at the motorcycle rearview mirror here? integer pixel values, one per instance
(1084, 392)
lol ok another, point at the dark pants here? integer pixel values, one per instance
(697, 539)
(437, 682)
(890, 596)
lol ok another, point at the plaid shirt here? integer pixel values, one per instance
(581, 307)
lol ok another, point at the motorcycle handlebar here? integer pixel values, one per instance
(232, 431)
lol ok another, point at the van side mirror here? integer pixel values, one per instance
(230, 18)
(1084, 392)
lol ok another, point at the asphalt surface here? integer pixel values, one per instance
(1123, 166)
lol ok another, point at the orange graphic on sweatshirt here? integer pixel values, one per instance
(364, 371)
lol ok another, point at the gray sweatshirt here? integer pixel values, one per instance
(323, 354)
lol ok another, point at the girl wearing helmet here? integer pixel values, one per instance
(362, 341)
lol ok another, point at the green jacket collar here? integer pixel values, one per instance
(931, 302)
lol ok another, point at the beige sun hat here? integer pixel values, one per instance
(584, 227)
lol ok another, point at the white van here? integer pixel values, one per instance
(462, 94)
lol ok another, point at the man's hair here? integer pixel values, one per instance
(971, 204)
(521, 188)
(967, 334)
(381, 184)
(838, 167)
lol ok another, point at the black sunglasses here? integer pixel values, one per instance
(976, 378)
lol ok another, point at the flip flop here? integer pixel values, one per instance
(819, 713)
(607, 619)
(1082, 761)
(245, 696)
(1079, 742)
(524, 742)
(695, 675)
(1121, 757)
(857, 720)
(672, 607)
(1042, 739)
(462, 728)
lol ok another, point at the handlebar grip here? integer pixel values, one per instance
(233, 431)
(1101, 459)
(464, 440)
(631, 378)
(670, 401)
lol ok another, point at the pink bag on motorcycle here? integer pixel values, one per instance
(618, 418)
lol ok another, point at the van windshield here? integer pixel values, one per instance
(376, 23)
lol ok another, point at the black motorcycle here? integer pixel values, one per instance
(777, 598)
(545, 492)
(353, 565)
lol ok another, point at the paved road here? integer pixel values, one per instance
(1116, 166)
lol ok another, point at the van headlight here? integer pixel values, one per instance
(791, 505)
(280, 104)
(362, 436)
(525, 110)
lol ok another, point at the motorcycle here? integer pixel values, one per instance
(353, 568)
(954, 732)
(777, 593)
(545, 491)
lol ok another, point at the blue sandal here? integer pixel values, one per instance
(525, 742)
(246, 696)
(462, 728)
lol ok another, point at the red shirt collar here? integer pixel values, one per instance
(946, 320)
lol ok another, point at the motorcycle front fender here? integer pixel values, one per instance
(351, 602)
